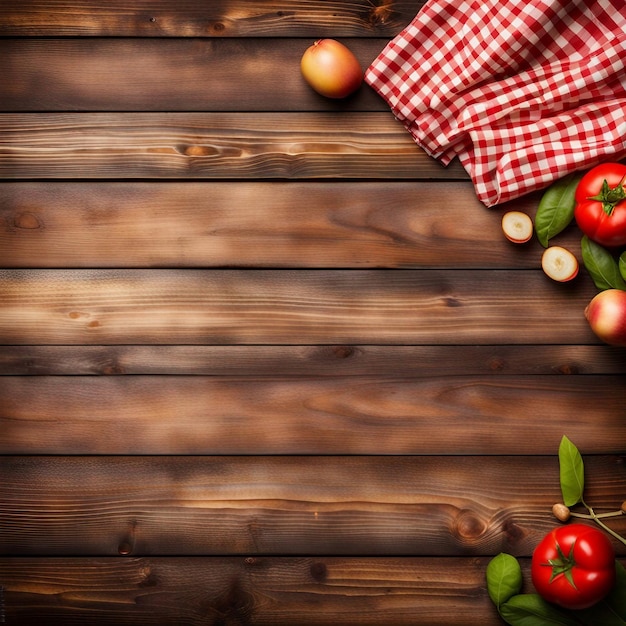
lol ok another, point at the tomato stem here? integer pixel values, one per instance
(610, 196)
(597, 520)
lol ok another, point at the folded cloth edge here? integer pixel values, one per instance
(558, 151)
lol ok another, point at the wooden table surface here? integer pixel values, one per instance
(264, 361)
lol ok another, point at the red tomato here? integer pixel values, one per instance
(574, 566)
(600, 210)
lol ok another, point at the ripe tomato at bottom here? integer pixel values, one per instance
(574, 566)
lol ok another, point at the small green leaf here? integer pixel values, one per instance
(601, 265)
(616, 600)
(556, 208)
(504, 578)
(600, 615)
(530, 609)
(572, 472)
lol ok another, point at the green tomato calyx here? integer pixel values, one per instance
(563, 565)
(610, 196)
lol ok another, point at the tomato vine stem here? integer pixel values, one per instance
(596, 518)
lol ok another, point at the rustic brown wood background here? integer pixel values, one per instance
(263, 361)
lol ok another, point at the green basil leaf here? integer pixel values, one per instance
(572, 472)
(600, 614)
(622, 265)
(504, 578)
(616, 600)
(601, 265)
(530, 609)
(556, 208)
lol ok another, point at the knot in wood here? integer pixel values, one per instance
(468, 526)
(496, 364)
(343, 352)
(149, 578)
(27, 221)
(319, 571)
(235, 605)
(513, 533)
(380, 13)
(452, 302)
(113, 369)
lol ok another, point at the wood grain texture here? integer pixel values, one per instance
(287, 591)
(290, 307)
(108, 74)
(262, 360)
(257, 224)
(321, 360)
(198, 18)
(234, 146)
(326, 415)
(360, 506)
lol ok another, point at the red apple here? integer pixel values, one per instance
(559, 264)
(606, 315)
(517, 226)
(331, 69)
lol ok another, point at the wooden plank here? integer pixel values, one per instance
(350, 505)
(213, 146)
(289, 224)
(96, 307)
(154, 74)
(323, 360)
(326, 415)
(198, 18)
(288, 591)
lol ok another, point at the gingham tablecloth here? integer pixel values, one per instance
(523, 92)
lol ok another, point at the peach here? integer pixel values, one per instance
(606, 314)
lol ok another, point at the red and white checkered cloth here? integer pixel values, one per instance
(523, 92)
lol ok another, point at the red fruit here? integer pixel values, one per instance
(606, 314)
(574, 566)
(331, 69)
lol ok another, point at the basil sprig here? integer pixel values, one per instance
(530, 609)
(504, 574)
